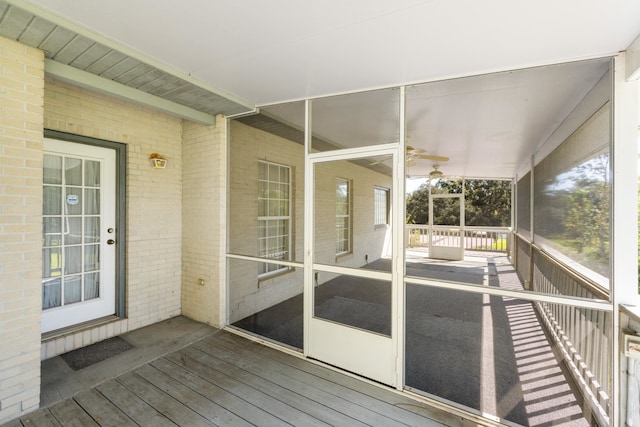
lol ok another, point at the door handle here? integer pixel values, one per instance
(110, 242)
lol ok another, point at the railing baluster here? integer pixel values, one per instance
(586, 330)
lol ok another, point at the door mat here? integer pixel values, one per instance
(94, 353)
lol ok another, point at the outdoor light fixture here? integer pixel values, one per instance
(157, 161)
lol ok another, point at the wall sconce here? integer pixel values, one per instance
(157, 161)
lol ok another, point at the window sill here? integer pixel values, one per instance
(343, 255)
(272, 275)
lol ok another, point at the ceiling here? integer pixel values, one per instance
(227, 56)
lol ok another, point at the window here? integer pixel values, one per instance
(380, 206)
(274, 215)
(343, 216)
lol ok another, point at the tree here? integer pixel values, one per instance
(487, 202)
(573, 212)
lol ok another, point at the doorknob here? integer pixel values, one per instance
(110, 242)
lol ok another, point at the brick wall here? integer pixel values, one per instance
(247, 294)
(21, 97)
(204, 216)
(154, 196)
(247, 146)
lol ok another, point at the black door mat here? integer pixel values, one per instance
(94, 353)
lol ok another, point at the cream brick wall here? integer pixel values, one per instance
(21, 99)
(248, 295)
(154, 196)
(204, 205)
(247, 146)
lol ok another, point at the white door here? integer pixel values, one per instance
(446, 226)
(79, 217)
(353, 282)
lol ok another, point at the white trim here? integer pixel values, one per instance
(398, 265)
(624, 208)
(308, 230)
(521, 295)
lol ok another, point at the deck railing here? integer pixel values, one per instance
(582, 335)
(491, 239)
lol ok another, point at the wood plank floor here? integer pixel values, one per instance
(226, 380)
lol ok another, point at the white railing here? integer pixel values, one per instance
(491, 239)
(582, 335)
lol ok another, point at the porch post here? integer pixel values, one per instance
(624, 208)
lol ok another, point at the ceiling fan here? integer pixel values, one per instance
(436, 172)
(413, 154)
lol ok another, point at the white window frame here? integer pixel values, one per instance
(267, 270)
(381, 206)
(341, 217)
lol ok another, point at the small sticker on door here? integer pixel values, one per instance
(72, 199)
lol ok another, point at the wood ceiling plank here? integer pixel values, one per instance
(108, 60)
(120, 68)
(56, 40)
(147, 81)
(90, 56)
(37, 30)
(13, 22)
(132, 74)
(72, 50)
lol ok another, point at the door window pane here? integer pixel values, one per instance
(91, 286)
(73, 171)
(91, 173)
(52, 171)
(51, 293)
(51, 262)
(73, 201)
(72, 259)
(73, 231)
(345, 232)
(72, 289)
(52, 231)
(91, 229)
(91, 257)
(92, 201)
(51, 200)
(359, 302)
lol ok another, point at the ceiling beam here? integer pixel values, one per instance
(100, 84)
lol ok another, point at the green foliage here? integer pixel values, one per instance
(572, 211)
(487, 203)
(587, 221)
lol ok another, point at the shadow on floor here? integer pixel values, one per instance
(485, 352)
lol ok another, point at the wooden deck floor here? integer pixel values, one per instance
(226, 380)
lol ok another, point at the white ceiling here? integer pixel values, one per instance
(266, 52)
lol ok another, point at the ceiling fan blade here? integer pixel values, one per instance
(412, 150)
(430, 157)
